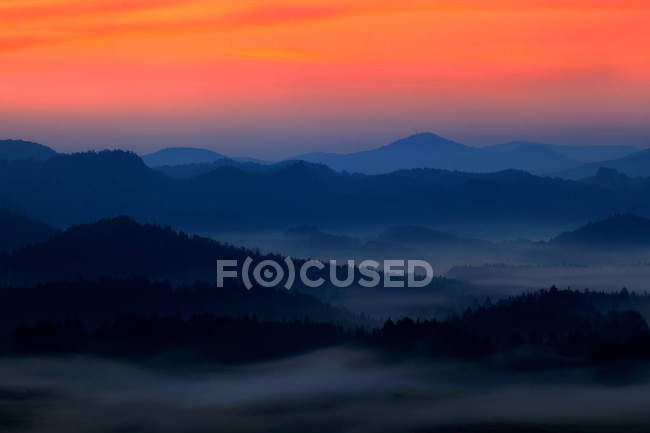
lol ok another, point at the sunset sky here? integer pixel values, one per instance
(276, 78)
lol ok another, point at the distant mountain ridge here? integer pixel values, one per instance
(428, 150)
(181, 156)
(175, 158)
(636, 164)
(423, 150)
(580, 154)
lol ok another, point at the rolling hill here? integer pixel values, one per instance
(12, 150)
(192, 159)
(181, 156)
(118, 248)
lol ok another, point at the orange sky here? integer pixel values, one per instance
(273, 78)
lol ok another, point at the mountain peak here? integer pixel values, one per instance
(423, 141)
(425, 135)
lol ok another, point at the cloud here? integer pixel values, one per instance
(282, 14)
(43, 23)
(77, 9)
(78, 21)
(276, 55)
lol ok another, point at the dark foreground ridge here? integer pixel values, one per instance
(546, 329)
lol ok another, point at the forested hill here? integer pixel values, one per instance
(616, 231)
(118, 247)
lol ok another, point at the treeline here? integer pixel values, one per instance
(601, 338)
(96, 302)
(560, 326)
(203, 336)
(589, 326)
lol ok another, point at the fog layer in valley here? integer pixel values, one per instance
(332, 390)
(505, 265)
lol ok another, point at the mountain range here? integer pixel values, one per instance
(69, 189)
(425, 150)
(428, 150)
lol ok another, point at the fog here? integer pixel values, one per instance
(343, 245)
(468, 269)
(428, 243)
(338, 389)
(513, 279)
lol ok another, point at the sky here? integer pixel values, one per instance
(276, 78)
